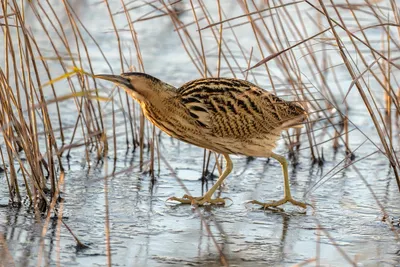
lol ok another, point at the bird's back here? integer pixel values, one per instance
(237, 108)
(235, 114)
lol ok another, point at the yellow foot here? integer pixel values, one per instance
(275, 204)
(199, 201)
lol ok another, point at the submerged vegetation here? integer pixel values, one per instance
(52, 108)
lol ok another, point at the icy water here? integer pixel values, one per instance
(147, 231)
(345, 228)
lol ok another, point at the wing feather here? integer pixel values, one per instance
(235, 108)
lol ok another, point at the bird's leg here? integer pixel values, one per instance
(206, 199)
(287, 195)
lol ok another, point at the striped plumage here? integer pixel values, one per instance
(228, 116)
(224, 115)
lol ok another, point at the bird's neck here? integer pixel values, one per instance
(161, 112)
(160, 99)
(158, 93)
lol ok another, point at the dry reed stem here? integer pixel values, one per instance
(5, 255)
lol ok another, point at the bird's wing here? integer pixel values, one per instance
(198, 110)
(236, 108)
(207, 99)
(284, 114)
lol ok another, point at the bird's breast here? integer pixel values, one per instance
(169, 121)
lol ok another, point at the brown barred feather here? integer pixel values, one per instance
(229, 116)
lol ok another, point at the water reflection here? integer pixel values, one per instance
(146, 231)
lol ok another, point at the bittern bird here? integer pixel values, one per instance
(228, 116)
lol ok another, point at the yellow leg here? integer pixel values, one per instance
(206, 199)
(287, 196)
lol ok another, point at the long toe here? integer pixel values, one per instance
(276, 204)
(298, 203)
(211, 201)
(183, 200)
(198, 201)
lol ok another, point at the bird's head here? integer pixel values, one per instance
(140, 86)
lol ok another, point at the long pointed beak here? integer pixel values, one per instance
(118, 79)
